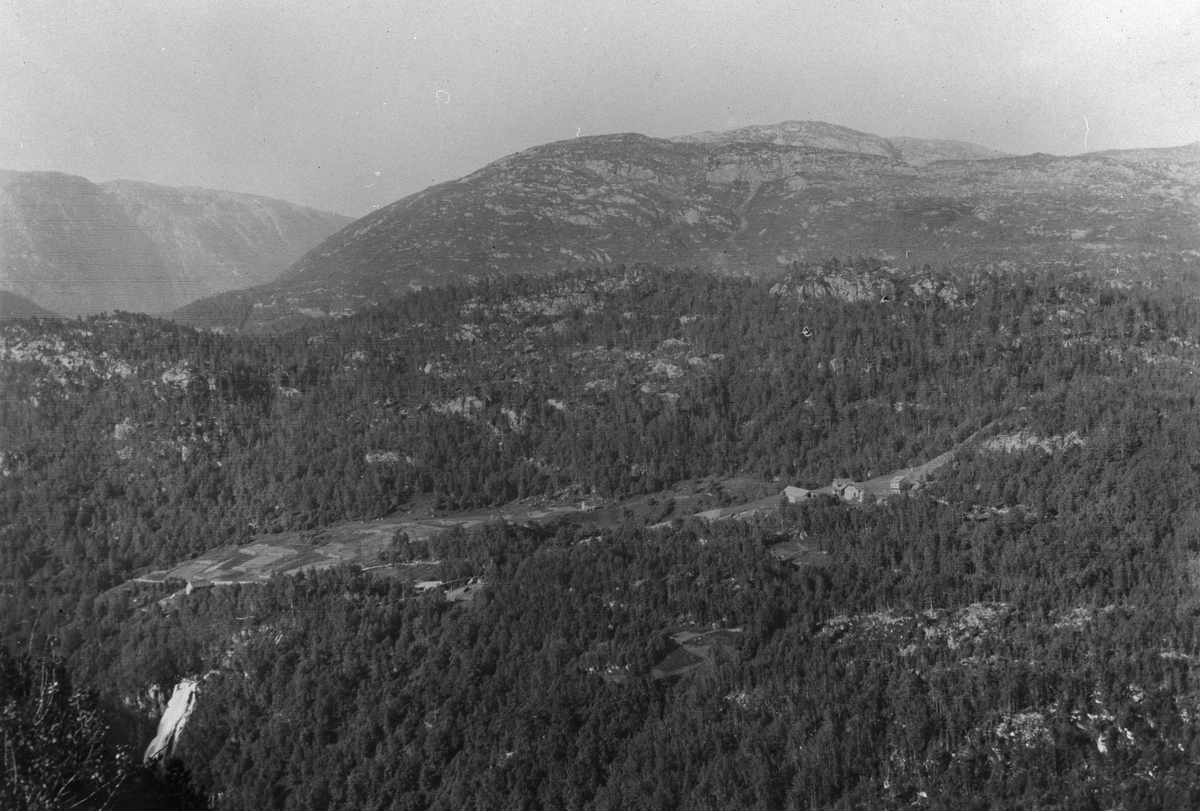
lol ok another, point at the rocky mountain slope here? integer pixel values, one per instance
(14, 306)
(73, 246)
(749, 201)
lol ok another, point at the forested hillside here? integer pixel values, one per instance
(1020, 630)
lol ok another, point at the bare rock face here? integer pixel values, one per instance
(75, 247)
(848, 285)
(809, 134)
(872, 281)
(753, 201)
(174, 719)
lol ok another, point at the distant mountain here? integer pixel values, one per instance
(750, 201)
(921, 151)
(14, 306)
(74, 246)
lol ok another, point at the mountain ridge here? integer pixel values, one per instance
(14, 306)
(823, 135)
(74, 246)
(751, 201)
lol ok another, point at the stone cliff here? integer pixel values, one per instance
(170, 726)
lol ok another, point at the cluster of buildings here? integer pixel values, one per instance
(852, 491)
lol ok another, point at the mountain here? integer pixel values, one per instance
(14, 306)
(921, 151)
(75, 247)
(749, 201)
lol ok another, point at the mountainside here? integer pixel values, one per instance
(14, 306)
(493, 541)
(922, 151)
(74, 246)
(750, 201)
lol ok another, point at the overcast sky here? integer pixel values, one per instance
(347, 106)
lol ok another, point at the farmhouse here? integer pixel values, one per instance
(798, 494)
(193, 585)
(848, 490)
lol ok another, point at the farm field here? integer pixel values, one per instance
(364, 543)
(693, 649)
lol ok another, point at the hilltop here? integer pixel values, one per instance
(820, 135)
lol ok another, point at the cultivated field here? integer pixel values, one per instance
(364, 543)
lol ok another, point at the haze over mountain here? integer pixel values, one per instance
(14, 306)
(73, 246)
(748, 201)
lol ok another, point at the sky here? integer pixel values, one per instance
(348, 106)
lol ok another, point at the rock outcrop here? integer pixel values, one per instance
(170, 726)
(869, 281)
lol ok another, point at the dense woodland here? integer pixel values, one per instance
(975, 644)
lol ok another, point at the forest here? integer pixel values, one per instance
(1018, 632)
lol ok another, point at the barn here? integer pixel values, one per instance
(798, 494)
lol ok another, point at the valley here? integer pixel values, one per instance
(72, 247)
(535, 406)
(370, 544)
(367, 543)
(861, 531)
